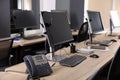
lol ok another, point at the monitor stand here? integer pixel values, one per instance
(52, 57)
(111, 29)
(30, 37)
(91, 40)
(57, 57)
(112, 35)
(22, 33)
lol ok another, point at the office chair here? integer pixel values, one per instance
(83, 32)
(5, 49)
(113, 72)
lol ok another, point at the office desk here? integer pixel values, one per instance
(12, 76)
(24, 42)
(74, 33)
(24, 47)
(82, 71)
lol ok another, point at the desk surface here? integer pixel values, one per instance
(12, 76)
(80, 72)
(74, 33)
(24, 42)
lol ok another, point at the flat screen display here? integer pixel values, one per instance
(59, 31)
(4, 18)
(24, 19)
(95, 21)
(115, 18)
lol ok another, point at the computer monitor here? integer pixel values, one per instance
(58, 30)
(24, 19)
(47, 18)
(114, 21)
(115, 18)
(21, 19)
(95, 20)
(36, 31)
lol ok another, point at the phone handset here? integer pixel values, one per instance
(37, 66)
(31, 68)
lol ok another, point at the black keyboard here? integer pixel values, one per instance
(72, 60)
(98, 47)
(33, 37)
(106, 42)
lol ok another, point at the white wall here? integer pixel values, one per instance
(25, 4)
(47, 5)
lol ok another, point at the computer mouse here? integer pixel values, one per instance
(94, 56)
(113, 40)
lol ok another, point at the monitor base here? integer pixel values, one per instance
(58, 58)
(111, 35)
(93, 42)
(52, 57)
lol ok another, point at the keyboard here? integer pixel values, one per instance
(72, 60)
(33, 37)
(106, 43)
(98, 47)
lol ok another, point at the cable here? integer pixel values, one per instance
(15, 71)
(42, 28)
(53, 64)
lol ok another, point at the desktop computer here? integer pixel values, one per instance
(22, 19)
(58, 33)
(95, 26)
(57, 28)
(34, 33)
(114, 22)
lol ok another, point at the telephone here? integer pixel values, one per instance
(37, 66)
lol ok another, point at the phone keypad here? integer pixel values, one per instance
(40, 59)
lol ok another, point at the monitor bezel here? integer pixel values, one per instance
(89, 22)
(19, 11)
(50, 38)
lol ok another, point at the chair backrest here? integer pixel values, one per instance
(114, 71)
(83, 32)
(5, 47)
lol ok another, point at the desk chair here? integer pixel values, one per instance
(113, 70)
(5, 47)
(83, 32)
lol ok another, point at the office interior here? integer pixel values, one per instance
(40, 52)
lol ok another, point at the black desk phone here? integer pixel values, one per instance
(37, 66)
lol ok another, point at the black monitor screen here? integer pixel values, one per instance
(24, 19)
(95, 21)
(46, 18)
(4, 18)
(59, 29)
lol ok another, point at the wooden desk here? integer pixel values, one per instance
(82, 71)
(24, 47)
(12, 76)
(74, 33)
(24, 42)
